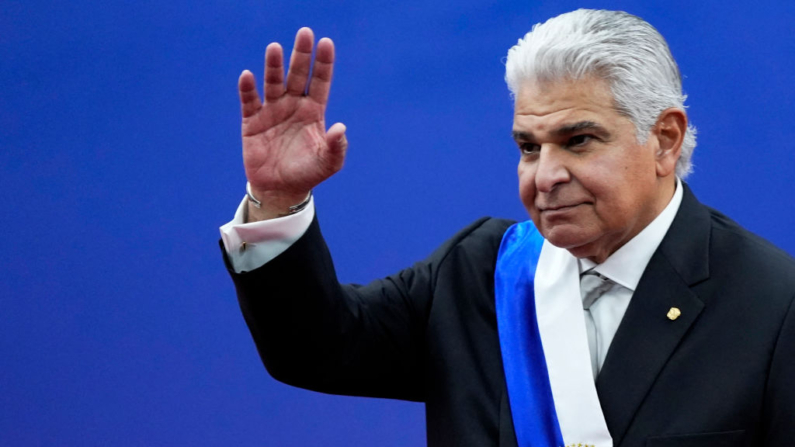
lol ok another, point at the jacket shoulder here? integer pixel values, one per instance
(483, 234)
(729, 236)
(475, 244)
(747, 265)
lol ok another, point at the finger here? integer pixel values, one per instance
(274, 72)
(249, 97)
(320, 84)
(300, 61)
(337, 144)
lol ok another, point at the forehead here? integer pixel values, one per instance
(542, 106)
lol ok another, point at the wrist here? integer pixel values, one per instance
(264, 205)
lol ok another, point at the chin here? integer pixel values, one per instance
(571, 238)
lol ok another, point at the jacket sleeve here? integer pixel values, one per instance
(315, 333)
(779, 408)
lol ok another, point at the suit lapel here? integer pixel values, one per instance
(647, 338)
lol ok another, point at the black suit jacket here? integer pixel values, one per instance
(722, 374)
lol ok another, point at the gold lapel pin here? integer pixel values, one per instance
(674, 313)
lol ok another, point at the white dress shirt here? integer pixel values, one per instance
(252, 245)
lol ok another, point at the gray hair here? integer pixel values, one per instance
(618, 47)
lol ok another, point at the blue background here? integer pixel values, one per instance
(120, 157)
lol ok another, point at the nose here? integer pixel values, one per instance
(551, 169)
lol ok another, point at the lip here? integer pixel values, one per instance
(560, 208)
(560, 212)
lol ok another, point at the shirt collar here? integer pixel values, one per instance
(628, 263)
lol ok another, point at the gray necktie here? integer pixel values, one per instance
(592, 286)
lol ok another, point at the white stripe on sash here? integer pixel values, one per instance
(562, 327)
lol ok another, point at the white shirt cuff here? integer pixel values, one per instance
(252, 245)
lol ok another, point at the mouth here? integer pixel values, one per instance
(559, 207)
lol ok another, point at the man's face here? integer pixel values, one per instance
(587, 184)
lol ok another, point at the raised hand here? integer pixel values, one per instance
(286, 148)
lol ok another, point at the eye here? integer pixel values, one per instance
(529, 148)
(579, 140)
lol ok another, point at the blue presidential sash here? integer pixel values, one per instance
(551, 391)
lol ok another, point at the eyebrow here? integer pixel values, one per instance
(564, 130)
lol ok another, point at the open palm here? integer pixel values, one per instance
(286, 148)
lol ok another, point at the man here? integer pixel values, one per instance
(624, 313)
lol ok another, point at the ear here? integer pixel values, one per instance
(670, 133)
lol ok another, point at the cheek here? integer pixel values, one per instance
(526, 184)
(616, 203)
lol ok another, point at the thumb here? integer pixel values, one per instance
(337, 144)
